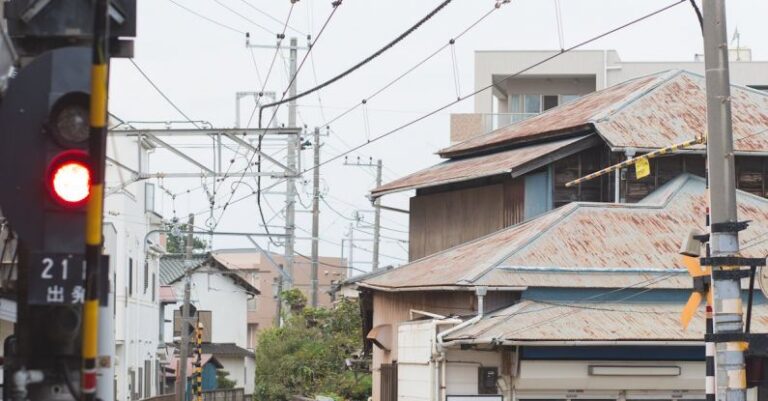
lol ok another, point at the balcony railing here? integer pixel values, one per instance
(495, 121)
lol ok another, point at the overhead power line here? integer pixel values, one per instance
(361, 63)
(417, 65)
(256, 24)
(249, 4)
(476, 92)
(225, 26)
(160, 91)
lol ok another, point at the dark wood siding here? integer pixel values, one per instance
(514, 205)
(441, 220)
(388, 382)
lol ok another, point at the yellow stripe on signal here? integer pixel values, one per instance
(93, 215)
(99, 95)
(90, 328)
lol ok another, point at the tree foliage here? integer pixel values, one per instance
(222, 381)
(307, 356)
(176, 240)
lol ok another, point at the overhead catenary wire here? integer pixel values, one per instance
(262, 12)
(365, 61)
(480, 90)
(415, 66)
(233, 11)
(160, 91)
(225, 26)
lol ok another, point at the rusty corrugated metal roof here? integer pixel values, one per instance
(536, 321)
(580, 235)
(518, 161)
(647, 113)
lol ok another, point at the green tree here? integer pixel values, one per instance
(307, 356)
(176, 239)
(222, 381)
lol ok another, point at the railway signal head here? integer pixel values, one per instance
(44, 164)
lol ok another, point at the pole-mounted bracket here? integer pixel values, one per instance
(702, 283)
(758, 342)
(730, 227)
(731, 261)
(730, 274)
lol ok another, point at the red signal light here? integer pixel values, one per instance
(69, 178)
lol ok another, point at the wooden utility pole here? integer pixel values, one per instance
(730, 377)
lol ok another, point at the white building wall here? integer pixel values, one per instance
(461, 369)
(605, 68)
(136, 299)
(415, 373)
(227, 302)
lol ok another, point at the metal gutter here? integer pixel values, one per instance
(439, 288)
(591, 269)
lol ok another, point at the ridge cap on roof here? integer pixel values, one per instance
(661, 78)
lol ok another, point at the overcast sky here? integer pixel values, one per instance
(200, 65)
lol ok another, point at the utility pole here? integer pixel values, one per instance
(181, 380)
(290, 193)
(730, 375)
(315, 217)
(377, 219)
(293, 146)
(376, 204)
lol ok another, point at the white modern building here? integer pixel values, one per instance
(566, 78)
(134, 252)
(220, 297)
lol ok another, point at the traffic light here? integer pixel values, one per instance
(46, 172)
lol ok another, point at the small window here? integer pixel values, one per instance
(149, 197)
(550, 102)
(146, 275)
(130, 276)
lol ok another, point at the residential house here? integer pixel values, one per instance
(568, 77)
(502, 248)
(220, 297)
(581, 302)
(134, 249)
(517, 172)
(262, 270)
(210, 365)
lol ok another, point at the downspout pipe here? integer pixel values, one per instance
(480, 292)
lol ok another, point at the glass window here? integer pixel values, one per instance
(568, 98)
(513, 104)
(549, 102)
(532, 104)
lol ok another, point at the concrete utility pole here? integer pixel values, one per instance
(315, 217)
(377, 205)
(350, 262)
(377, 219)
(181, 380)
(729, 359)
(290, 193)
